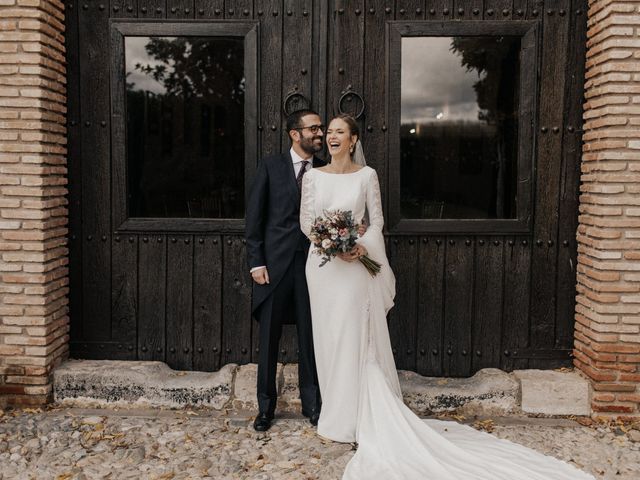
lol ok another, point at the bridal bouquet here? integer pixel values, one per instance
(336, 233)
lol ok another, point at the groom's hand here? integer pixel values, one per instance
(260, 276)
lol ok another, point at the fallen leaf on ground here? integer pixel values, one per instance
(584, 421)
(166, 476)
(486, 425)
(32, 410)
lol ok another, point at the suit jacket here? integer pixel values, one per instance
(273, 221)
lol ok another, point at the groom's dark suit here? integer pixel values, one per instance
(274, 240)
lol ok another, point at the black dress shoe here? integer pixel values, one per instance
(308, 412)
(262, 423)
(313, 418)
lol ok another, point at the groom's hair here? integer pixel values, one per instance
(294, 119)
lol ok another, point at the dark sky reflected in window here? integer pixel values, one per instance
(459, 121)
(185, 126)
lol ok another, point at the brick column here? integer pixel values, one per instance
(607, 339)
(33, 217)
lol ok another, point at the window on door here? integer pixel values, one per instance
(463, 106)
(185, 135)
(182, 142)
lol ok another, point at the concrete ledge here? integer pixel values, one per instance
(93, 383)
(112, 383)
(550, 392)
(489, 392)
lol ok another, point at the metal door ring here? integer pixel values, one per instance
(290, 96)
(349, 94)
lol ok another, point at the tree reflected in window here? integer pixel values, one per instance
(459, 127)
(185, 126)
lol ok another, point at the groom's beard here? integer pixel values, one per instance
(309, 146)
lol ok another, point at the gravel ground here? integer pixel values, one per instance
(65, 444)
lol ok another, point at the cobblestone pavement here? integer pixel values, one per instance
(79, 444)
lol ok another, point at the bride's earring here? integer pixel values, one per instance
(351, 149)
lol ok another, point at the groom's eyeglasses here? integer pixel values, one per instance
(312, 128)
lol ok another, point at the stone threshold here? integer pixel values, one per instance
(245, 417)
(134, 385)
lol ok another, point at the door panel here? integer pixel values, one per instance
(467, 299)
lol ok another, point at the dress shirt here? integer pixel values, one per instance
(297, 162)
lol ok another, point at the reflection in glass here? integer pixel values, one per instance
(459, 127)
(185, 126)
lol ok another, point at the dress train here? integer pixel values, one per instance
(361, 397)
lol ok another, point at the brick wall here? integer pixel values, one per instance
(33, 214)
(607, 341)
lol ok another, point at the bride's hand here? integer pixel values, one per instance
(359, 251)
(347, 257)
(353, 254)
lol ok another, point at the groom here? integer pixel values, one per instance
(277, 253)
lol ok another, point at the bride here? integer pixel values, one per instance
(361, 397)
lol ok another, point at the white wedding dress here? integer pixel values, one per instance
(361, 398)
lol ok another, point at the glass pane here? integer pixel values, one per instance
(459, 127)
(185, 126)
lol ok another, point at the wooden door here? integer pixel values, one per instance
(175, 287)
(472, 291)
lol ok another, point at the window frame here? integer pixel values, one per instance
(527, 118)
(119, 29)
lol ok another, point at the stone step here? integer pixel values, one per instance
(551, 392)
(133, 383)
(113, 383)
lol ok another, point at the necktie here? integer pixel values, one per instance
(301, 173)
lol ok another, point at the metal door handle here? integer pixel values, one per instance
(293, 94)
(350, 93)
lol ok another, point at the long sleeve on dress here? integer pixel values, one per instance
(374, 207)
(307, 211)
